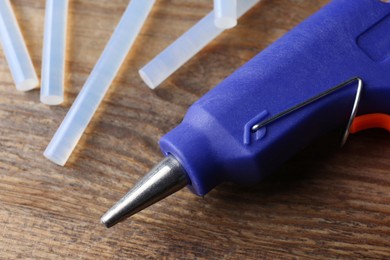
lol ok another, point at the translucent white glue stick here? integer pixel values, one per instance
(185, 47)
(15, 50)
(92, 93)
(53, 58)
(225, 13)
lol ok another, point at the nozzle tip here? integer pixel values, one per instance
(107, 220)
(164, 179)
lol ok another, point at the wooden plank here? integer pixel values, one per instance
(320, 205)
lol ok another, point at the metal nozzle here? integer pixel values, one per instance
(164, 179)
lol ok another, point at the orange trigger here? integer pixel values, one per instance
(369, 121)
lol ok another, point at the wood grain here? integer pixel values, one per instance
(323, 204)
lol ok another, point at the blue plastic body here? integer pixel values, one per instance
(343, 40)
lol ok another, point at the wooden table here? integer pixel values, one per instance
(322, 204)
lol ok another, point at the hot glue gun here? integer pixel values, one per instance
(330, 72)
